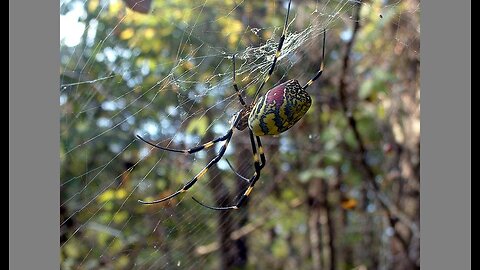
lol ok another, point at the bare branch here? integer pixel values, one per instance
(392, 212)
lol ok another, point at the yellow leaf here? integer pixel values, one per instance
(122, 262)
(102, 239)
(157, 46)
(121, 194)
(72, 249)
(115, 7)
(92, 5)
(149, 33)
(120, 217)
(116, 245)
(198, 126)
(127, 33)
(106, 196)
(231, 28)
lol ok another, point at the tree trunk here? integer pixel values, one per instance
(233, 252)
(314, 229)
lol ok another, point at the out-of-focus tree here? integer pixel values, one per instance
(341, 189)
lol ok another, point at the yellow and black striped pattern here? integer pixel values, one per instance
(279, 109)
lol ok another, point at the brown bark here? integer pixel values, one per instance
(345, 254)
(231, 250)
(321, 226)
(392, 213)
(327, 223)
(314, 227)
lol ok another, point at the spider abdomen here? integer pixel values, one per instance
(279, 109)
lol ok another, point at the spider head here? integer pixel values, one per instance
(242, 122)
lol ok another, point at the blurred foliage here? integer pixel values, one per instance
(127, 77)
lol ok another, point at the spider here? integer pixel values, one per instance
(271, 114)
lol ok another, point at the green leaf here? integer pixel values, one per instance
(198, 126)
(310, 174)
(378, 83)
(280, 248)
(365, 89)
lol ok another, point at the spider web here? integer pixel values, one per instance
(176, 91)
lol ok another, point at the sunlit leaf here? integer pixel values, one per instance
(108, 195)
(198, 126)
(127, 33)
(93, 5)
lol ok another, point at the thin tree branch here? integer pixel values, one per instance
(392, 212)
(241, 232)
(235, 235)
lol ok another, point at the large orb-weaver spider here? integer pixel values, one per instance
(271, 114)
